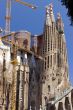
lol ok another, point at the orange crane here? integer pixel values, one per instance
(8, 12)
(26, 4)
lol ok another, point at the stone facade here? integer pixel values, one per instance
(53, 70)
(29, 83)
(55, 67)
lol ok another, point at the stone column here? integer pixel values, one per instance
(21, 88)
(26, 86)
(70, 100)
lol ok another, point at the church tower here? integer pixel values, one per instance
(55, 66)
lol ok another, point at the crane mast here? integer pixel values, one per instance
(14, 98)
(8, 16)
(8, 12)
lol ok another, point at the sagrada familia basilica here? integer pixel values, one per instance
(34, 71)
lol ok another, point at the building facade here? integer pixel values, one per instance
(53, 71)
(54, 52)
(36, 77)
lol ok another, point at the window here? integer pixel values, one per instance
(22, 59)
(48, 43)
(58, 60)
(59, 81)
(51, 60)
(48, 88)
(45, 64)
(54, 58)
(48, 46)
(51, 44)
(48, 61)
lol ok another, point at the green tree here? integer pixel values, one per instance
(69, 5)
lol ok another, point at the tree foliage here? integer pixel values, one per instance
(69, 5)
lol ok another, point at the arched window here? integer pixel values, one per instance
(52, 107)
(60, 106)
(67, 104)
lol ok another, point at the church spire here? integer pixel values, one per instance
(51, 13)
(60, 25)
(48, 19)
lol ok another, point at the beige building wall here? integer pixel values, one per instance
(54, 52)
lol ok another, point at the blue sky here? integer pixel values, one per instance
(24, 18)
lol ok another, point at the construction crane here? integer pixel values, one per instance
(8, 16)
(8, 12)
(14, 60)
(26, 4)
